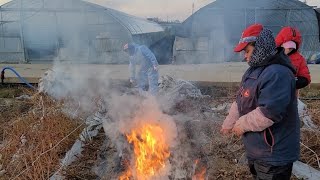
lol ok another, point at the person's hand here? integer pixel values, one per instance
(225, 131)
(132, 81)
(155, 68)
(238, 130)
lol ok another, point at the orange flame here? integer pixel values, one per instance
(150, 149)
(126, 175)
(199, 174)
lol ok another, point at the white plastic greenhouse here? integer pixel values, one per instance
(40, 31)
(210, 34)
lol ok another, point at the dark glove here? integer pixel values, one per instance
(301, 82)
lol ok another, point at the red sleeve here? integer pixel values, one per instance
(302, 69)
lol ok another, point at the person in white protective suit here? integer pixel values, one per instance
(148, 73)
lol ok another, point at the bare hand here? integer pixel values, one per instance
(155, 68)
(225, 131)
(238, 130)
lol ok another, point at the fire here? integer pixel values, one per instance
(200, 172)
(126, 175)
(200, 175)
(150, 150)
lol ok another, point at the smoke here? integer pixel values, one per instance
(75, 84)
(127, 112)
(86, 90)
(149, 112)
(123, 109)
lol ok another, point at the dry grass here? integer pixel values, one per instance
(32, 146)
(226, 157)
(11, 92)
(82, 167)
(311, 139)
(31, 131)
(311, 97)
(10, 107)
(310, 149)
(312, 91)
(314, 110)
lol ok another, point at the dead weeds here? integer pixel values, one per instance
(310, 147)
(33, 129)
(31, 147)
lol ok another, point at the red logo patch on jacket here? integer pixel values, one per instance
(246, 93)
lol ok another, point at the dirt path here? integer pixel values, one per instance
(223, 72)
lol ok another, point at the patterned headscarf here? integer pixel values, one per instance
(265, 47)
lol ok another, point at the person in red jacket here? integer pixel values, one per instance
(290, 39)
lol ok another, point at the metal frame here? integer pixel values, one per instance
(256, 15)
(17, 13)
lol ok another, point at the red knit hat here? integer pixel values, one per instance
(249, 35)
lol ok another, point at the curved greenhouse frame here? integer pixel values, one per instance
(39, 31)
(213, 31)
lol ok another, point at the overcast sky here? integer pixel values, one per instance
(171, 9)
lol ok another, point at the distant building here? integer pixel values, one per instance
(39, 31)
(163, 49)
(166, 25)
(210, 34)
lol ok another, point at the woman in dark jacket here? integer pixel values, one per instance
(265, 111)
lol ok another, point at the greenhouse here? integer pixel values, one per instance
(210, 34)
(40, 31)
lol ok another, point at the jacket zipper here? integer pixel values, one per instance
(272, 139)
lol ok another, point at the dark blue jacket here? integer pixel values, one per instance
(272, 88)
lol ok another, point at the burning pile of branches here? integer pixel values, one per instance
(151, 151)
(149, 135)
(173, 145)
